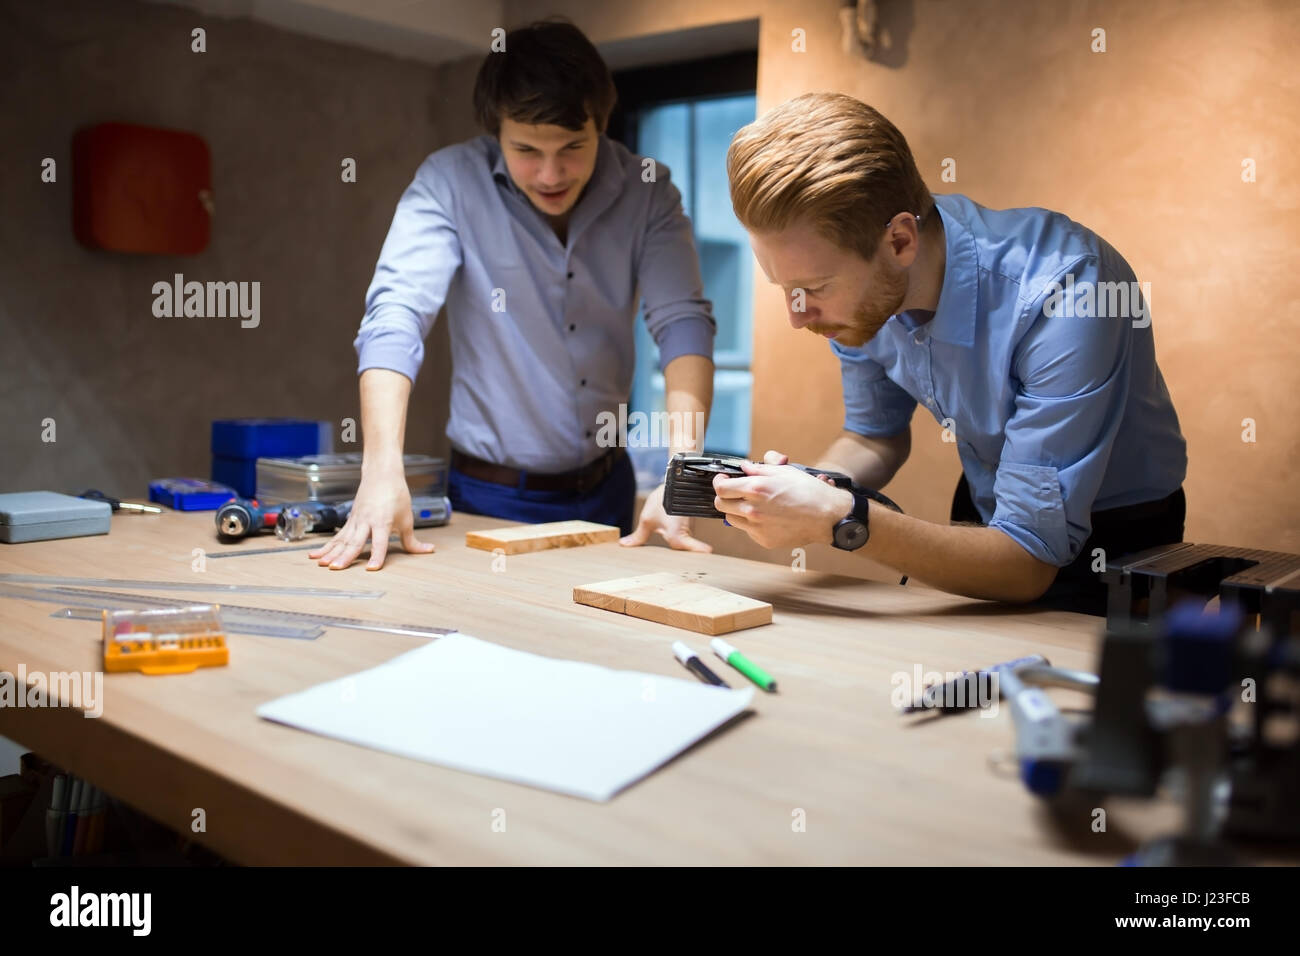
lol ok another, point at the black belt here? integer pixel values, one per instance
(579, 480)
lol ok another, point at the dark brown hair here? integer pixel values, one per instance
(549, 73)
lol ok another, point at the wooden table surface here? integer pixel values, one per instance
(827, 750)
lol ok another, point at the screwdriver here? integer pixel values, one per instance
(94, 494)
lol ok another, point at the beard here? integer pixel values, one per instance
(887, 291)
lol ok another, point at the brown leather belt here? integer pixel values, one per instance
(579, 481)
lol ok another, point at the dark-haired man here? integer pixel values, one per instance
(538, 238)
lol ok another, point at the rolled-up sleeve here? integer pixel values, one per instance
(677, 315)
(874, 405)
(1074, 383)
(419, 258)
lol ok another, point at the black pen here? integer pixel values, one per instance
(691, 661)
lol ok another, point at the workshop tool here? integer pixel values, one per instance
(1043, 675)
(175, 640)
(237, 552)
(297, 520)
(130, 507)
(233, 622)
(51, 580)
(276, 615)
(241, 517)
(43, 515)
(1045, 744)
(90, 605)
(688, 483)
(189, 494)
(237, 518)
(961, 693)
(1164, 715)
(1143, 586)
(238, 618)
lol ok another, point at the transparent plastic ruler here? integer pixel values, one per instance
(232, 624)
(274, 615)
(91, 607)
(55, 580)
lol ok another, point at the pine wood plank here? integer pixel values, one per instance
(676, 600)
(521, 539)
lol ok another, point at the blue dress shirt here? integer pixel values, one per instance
(542, 337)
(1043, 368)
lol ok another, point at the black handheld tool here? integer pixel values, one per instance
(688, 484)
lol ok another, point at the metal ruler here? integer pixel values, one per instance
(52, 580)
(236, 552)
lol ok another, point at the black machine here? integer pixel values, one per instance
(1196, 701)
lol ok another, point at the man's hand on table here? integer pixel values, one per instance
(382, 506)
(779, 506)
(675, 530)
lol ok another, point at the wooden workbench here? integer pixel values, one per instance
(871, 788)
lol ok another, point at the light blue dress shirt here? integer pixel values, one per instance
(1048, 383)
(542, 337)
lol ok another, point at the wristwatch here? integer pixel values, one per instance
(852, 531)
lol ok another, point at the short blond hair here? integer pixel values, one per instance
(829, 160)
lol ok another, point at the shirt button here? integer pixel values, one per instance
(570, 275)
(588, 434)
(572, 328)
(583, 383)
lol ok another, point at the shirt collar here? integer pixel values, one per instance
(954, 319)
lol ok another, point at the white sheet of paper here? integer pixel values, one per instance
(560, 725)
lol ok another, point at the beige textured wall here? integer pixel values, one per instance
(1143, 143)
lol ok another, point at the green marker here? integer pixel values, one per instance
(743, 664)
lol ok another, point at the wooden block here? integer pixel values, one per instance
(672, 599)
(523, 538)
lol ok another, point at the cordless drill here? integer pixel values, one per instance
(240, 517)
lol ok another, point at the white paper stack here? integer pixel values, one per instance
(560, 725)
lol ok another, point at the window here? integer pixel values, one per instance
(684, 117)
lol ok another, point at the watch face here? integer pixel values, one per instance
(850, 534)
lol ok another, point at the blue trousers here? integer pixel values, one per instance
(613, 501)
